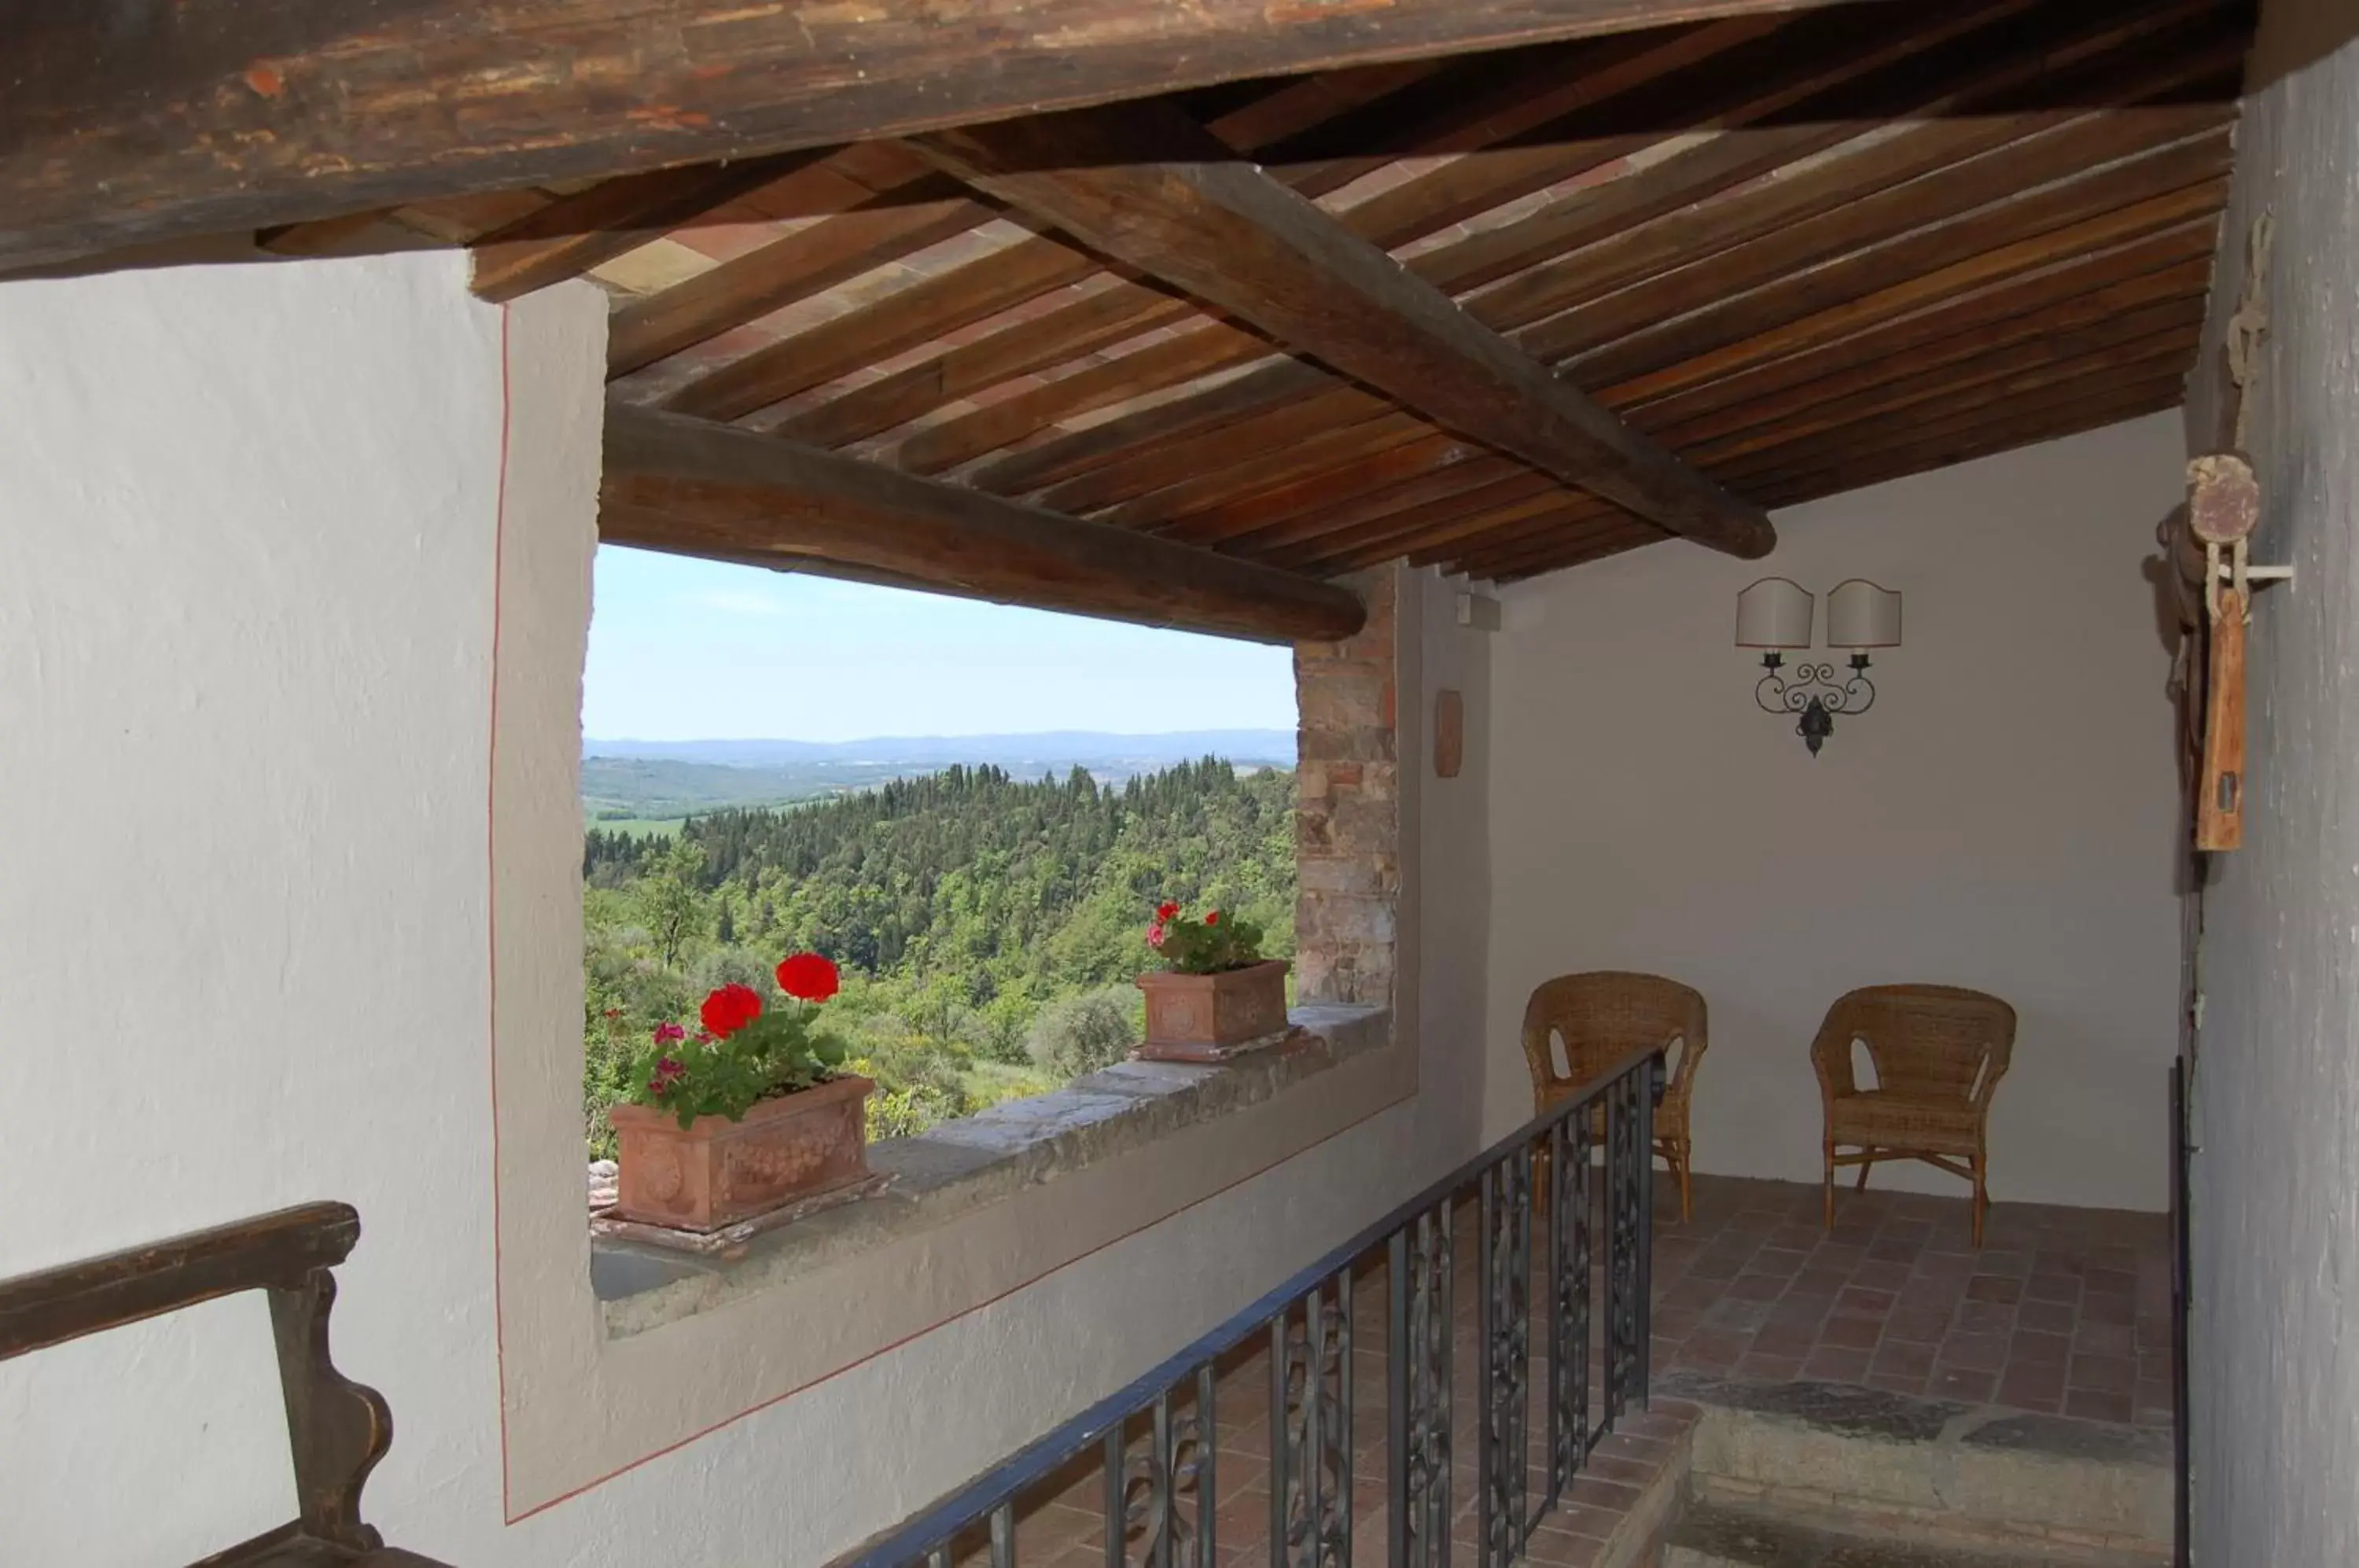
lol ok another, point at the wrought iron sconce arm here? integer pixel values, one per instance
(1813, 695)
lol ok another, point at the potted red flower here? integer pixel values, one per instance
(744, 1113)
(1215, 991)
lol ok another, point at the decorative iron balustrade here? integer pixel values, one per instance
(1159, 1436)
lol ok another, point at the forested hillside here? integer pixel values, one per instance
(987, 928)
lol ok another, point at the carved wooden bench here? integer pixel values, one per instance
(338, 1429)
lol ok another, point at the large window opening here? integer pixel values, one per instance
(972, 810)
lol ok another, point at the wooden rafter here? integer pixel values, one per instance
(694, 487)
(1146, 185)
(155, 122)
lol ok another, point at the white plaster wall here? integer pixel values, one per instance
(1448, 925)
(2275, 1204)
(246, 636)
(2004, 819)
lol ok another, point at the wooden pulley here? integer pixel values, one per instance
(2223, 507)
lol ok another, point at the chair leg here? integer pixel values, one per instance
(1982, 1199)
(1864, 1166)
(1686, 1164)
(1828, 1220)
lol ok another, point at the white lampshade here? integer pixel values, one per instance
(1775, 613)
(1860, 615)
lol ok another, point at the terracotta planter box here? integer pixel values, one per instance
(717, 1171)
(1199, 1017)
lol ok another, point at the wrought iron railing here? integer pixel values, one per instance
(1156, 1440)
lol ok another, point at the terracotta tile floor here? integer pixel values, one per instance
(2063, 1311)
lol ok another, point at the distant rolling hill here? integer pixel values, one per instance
(632, 780)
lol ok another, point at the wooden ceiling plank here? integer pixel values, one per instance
(1212, 346)
(692, 486)
(1097, 320)
(2014, 398)
(1394, 532)
(806, 263)
(1438, 543)
(574, 234)
(1471, 487)
(2104, 404)
(1320, 492)
(1058, 458)
(1592, 547)
(1969, 360)
(1141, 470)
(1623, 65)
(2065, 294)
(1749, 80)
(1615, 66)
(2170, 292)
(2090, 323)
(1483, 100)
(154, 123)
(1510, 532)
(1582, 246)
(1442, 488)
(1271, 465)
(1024, 270)
(1907, 234)
(1947, 89)
(1145, 187)
(1680, 369)
(1859, 454)
(1574, 537)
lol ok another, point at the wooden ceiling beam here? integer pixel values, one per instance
(1148, 186)
(155, 122)
(694, 487)
(1591, 76)
(1607, 227)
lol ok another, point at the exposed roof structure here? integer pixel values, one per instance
(1799, 252)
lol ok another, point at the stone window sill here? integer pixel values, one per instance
(981, 1160)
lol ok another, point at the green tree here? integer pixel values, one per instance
(670, 902)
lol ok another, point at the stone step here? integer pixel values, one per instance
(1719, 1537)
(1966, 1478)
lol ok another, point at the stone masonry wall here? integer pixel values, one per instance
(1347, 812)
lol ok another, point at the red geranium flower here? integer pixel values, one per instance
(809, 976)
(1166, 911)
(731, 1008)
(1212, 917)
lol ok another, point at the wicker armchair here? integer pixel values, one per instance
(1603, 1016)
(1939, 1052)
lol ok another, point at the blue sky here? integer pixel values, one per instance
(683, 649)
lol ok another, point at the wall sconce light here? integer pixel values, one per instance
(1775, 614)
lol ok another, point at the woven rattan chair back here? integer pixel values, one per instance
(1933, 1042)
(1601, 1017)
(1939, 1052)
